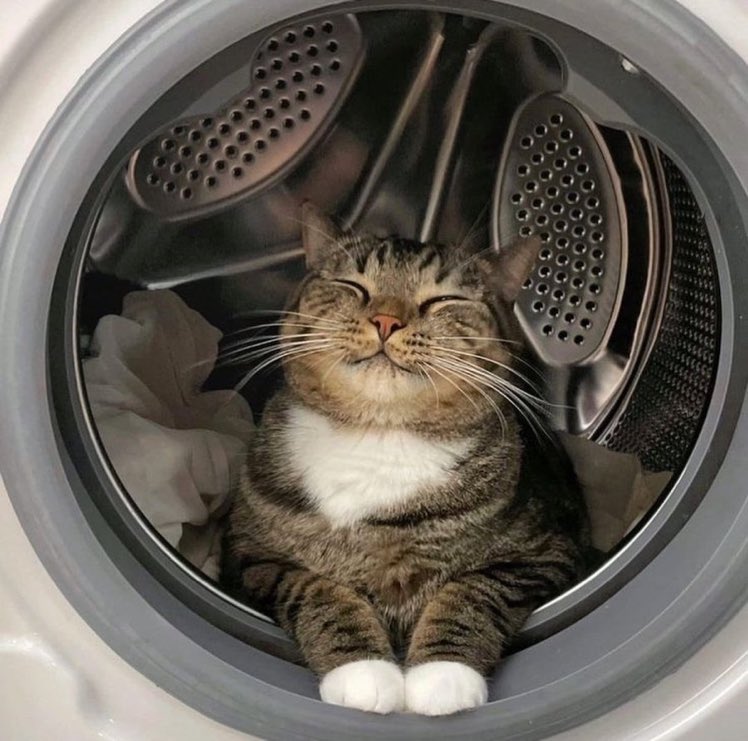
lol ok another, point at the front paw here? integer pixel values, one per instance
(443, 687)
(373, 685)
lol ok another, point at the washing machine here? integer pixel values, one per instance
(163, 144)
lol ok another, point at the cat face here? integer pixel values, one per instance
(393, 332)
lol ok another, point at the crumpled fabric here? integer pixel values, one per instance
(617, 490)
(176, 449)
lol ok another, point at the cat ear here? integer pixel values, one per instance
(318, 234)
(505, 271)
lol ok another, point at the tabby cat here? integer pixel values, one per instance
(393, 515)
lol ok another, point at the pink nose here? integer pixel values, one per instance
(386, 325)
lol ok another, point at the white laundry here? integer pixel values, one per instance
(175, 448)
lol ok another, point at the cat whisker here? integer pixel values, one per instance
(473, 229)
(489, 374)
(277, 335)
(475, 256)
(257, 357)
(477, 384)
(470, 382)
(536, 401)
(516, 358)
(506, 390)
(247, 356)
(242, 352)
(207, 361)
(500, 383)
(294, 352)
(316, 318)
(253, 342)
(287, 313)
(252, 350)
(473, 338)
(268, 325)
(339, 314)
(449, 380)
(497, 363)
(422, 368)
(337, 358)
(335, 242)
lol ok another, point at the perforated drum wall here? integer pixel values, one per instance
(663, 416)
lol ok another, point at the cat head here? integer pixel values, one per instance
(396, 333)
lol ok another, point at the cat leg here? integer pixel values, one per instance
(339, 634)
(459, 638)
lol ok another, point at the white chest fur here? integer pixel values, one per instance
(352, 474)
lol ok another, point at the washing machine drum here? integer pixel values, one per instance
(184, 168)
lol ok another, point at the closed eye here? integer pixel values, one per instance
(357, 287)
(423, 307)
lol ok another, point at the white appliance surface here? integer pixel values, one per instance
(58, 679)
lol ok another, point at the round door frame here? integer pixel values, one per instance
(644, 630)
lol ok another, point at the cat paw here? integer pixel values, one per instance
(373, 685)
(443, 687)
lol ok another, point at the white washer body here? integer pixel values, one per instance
(58, 678)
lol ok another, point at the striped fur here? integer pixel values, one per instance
(449, 569)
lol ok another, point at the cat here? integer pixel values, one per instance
(392, 511)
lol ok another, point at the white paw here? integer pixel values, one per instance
(443, 687)
(373, 685)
